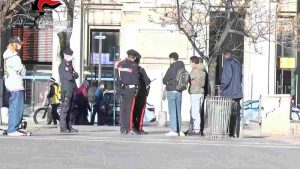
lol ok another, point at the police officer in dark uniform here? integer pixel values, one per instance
(128, 82)
(141, 98)
(67, 76)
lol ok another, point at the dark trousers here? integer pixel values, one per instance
(80, 116)
(235, 118)
(139, 109)
(66, 116)
(127, 106)
(55, 115)
(101, 115)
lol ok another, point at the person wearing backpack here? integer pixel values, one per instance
(54, 97)
(196, 90)
(176, 80)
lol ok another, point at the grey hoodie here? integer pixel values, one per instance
(14, 71)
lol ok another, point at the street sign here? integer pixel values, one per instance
(287, 63)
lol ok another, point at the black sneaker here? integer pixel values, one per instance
(194, 133)
(72, 130)
(189, 132)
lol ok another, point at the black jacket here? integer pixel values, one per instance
(128, 73)
(170, 77)
(143, 78)
(67, 77)
(231, 79)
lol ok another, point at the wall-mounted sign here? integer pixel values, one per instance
(94, 59)
(37, 45)
(287, 63)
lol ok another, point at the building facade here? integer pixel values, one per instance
(108, 28)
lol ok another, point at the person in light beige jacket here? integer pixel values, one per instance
(196, 90)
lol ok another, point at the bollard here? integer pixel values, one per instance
(4, 115)
(162, 119)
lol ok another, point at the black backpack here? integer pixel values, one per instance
(182, 79)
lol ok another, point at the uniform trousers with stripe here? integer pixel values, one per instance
(139, 109)
(127, 106)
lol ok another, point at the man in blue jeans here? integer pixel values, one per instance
(14, 71)
(174, 97)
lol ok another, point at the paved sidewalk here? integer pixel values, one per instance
(103, 148)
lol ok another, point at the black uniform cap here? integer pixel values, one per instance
(133, 52)
(139, 56)
(68, 51)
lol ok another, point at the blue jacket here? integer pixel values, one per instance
(99, 99)
(231, 79)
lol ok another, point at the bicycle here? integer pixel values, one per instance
(43, 115)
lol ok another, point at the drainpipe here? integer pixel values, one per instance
(81, 44)
(269, 47)
(1, 79)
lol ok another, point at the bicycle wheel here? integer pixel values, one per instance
(41, 116)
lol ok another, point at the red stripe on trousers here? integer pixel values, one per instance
(131, 113)
(142, 116)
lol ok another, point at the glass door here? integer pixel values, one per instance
(103, 51)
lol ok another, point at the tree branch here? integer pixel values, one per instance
(186, 33)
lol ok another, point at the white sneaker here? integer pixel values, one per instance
(181, 134)
(25, 132)
(171, 133)
(16, 134)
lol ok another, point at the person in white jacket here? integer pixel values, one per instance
(13, 72)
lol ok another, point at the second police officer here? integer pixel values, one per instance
(67, 77)
(141, 98)
(128, 84)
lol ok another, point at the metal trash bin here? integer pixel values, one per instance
(218, 110)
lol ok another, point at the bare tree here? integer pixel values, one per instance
(213, 26)
(65, 36)
(14, 12)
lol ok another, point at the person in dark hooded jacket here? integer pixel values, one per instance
(141, 98)
(81, 105)
(231, 87)
(174, 97)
